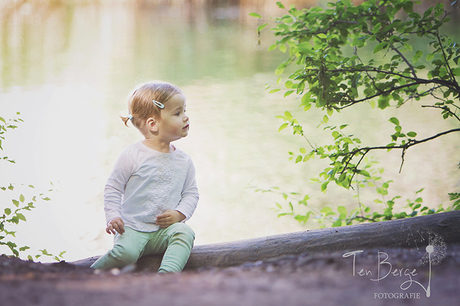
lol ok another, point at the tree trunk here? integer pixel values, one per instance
(405, 233)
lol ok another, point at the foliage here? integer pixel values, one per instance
(13, 213)
(383, 208)
(328, 47)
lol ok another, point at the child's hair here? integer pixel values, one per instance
(141, 105)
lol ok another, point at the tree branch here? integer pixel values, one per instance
(416, 81)
(403, 147)
(447, 109)
(383, 93)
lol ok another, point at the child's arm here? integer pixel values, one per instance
(189, 196)
(113, 193)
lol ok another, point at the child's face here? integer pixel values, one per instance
(173, 123)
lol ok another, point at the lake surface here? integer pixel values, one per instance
(68, 70)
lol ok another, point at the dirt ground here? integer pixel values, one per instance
(308, 279)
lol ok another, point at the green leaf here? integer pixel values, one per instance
(7, 211)
(417, 56)
(306, 47)
(272, 47)
(324, 186)
(255, 15)
(261, 27)
(411, 134)
(322, 35)
(347, 140)
(337, 223)
(408, 6)
(377, 27)
(282, 127)
(394, 120)
(302, 219)
(298, 159)
(16, 203)
(418, 191)
(289, 92)
(280, 5)
(283, 49)
(383, 102)
(335, 134)
(380, 46)
(21, 217)
(280, 69)
(21, 198)
(342, 211)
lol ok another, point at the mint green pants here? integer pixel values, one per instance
(175, 241)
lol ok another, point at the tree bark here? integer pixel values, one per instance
(413, 232)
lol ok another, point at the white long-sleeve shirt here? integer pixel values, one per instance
(145, 183)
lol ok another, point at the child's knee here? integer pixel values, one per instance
(183, 232)
(123, 255)
(182, 228)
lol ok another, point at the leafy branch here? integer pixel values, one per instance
(325, 47)
(14, 213)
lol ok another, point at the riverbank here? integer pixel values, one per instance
(324, 278)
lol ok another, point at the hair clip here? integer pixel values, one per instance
(130, 116)
(159, 104)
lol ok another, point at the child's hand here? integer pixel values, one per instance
(169, 217)
(116, 225)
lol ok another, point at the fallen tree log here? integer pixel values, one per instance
(413, 232)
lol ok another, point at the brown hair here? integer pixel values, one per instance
(140, 102)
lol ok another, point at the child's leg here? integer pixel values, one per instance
(176, 241)
(127, 249)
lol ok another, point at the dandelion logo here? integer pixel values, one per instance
(435, 252)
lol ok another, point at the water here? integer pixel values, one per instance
(68, 70)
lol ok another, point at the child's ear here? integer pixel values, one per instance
(152, 125)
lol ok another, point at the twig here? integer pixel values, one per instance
(447, 109)
(404, 147)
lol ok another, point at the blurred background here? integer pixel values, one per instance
(69, 65)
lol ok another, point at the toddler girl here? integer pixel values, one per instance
(152, 190)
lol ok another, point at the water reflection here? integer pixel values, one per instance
(69, 69)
